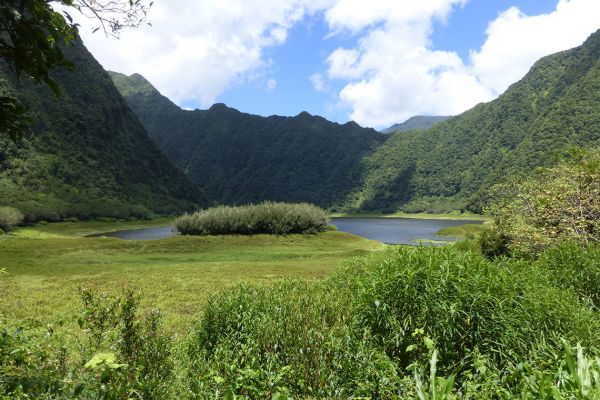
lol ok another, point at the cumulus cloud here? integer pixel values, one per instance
(515, 40)
(318, 82)
(196, 49)
(393, 72)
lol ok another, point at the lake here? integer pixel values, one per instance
(386, 230)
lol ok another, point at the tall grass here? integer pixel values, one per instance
(406, 323)
(364, 330)
(268, 218)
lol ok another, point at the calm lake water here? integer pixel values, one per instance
(386, 230)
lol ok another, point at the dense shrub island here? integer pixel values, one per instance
(267, 217)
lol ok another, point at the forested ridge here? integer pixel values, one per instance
(556, 106)
(419, 122)
(241, 158)
(87, 154)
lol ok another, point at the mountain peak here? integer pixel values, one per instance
(132, 84)
(418, 122)
(219, 106)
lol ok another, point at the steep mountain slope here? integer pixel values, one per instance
(88, 154)
(243, 158)
(419, 122)
(450, 166)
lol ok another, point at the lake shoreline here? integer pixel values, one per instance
(448, 216)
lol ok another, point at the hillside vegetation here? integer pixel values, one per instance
(87, 154)
(418, 122)
(241, 158)
(453, 164)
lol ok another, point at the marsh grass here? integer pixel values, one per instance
(361, 332)
(265, 218)
(45, 265)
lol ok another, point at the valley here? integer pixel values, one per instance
(151, 250)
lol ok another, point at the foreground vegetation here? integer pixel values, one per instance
(482, 320)
(264, 218)
(377, 328)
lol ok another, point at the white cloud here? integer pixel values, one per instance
(196, 49)
(271, 84)
(393, 72)
(515, 41)
(318, 82)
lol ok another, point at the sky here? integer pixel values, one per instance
(377, 62)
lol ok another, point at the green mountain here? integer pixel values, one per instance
(450, 166)
(241, 158)
(419, 122)
(87, 155)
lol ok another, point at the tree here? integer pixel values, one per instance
(551, 206)
(33, 33)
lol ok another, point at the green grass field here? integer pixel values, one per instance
(47, 264)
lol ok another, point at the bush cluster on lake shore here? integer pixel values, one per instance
(266, 218)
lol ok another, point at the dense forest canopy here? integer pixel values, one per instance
(241, 158)
(452, 165)
(88, 155)
(33, 35)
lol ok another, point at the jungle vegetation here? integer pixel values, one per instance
(87, 155)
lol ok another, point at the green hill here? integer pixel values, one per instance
(87, 154)
(241, 158)
(451, 165)
(419, 122)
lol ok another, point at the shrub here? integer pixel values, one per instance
(493, 242)
(293, 338)
(268, 218)
(552, 206)
(496, 326)
(463, 302)
(9, 217)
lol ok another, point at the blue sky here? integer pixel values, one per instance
(376, 62)
(308, 46)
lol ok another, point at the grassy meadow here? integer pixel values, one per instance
(47, 264)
